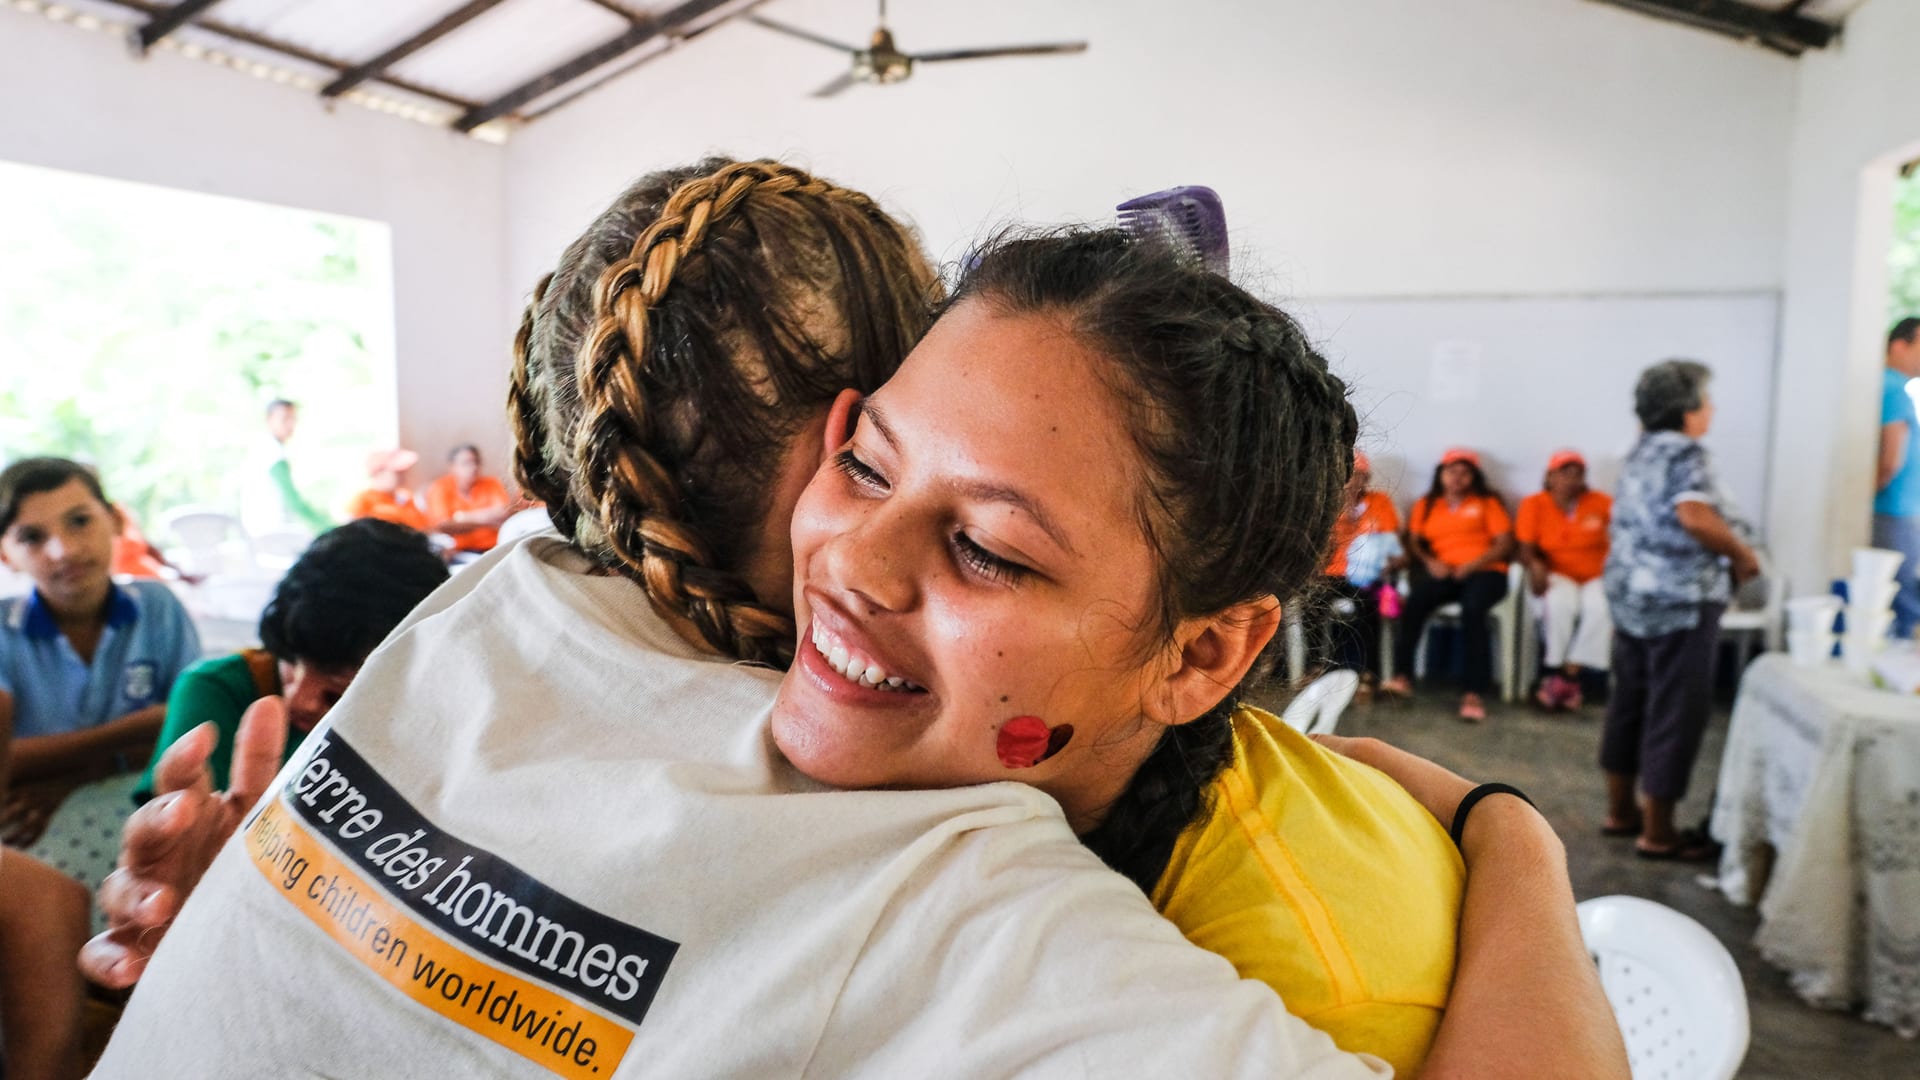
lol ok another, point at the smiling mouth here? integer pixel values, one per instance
(857, 668)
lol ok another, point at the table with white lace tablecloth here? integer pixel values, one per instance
(1819, 808)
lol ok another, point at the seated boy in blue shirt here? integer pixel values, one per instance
(85, 665)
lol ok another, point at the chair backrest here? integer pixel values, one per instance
(211, 541)
(1316, 710)
(1674, 988)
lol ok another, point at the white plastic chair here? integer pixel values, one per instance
(1505, 619)
(209, 542)
(279, 549)
(1761, 624)
(1675, 991)
(1316, 710)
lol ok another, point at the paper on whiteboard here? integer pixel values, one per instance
(1455, 375)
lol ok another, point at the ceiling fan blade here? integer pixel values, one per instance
(1004, 50)
(803, 35)
(833, 88)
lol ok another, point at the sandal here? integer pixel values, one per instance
(1619, 829)
(1693, 846)
(1472, 710)
(1552, 693)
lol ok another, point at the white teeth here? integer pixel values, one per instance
(857, 668)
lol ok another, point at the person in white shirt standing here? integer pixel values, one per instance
(270, 501)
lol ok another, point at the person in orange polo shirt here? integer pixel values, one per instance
(1461, 537)
(466, 505)
(1563, 544)
(1365, 552)
(387, 496)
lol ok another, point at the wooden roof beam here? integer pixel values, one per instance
(643, 30)
(166, 22)
(360, 73)
(1781, 31)
(295, 52)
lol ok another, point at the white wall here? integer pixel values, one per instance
(1364, 147)
(1518, 378)
(1857, 117)
(77, 101)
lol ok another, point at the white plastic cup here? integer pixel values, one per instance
(1857, 651)
(1869, 622)
(1810, 648)
(1876, 564)
(1871, 594)
(1812, 614)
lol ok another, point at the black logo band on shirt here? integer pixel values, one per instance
(471, 894)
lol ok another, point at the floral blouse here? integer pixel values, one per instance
(1657, 574)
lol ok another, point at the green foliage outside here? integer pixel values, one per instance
(145, 329)
(1904, 262)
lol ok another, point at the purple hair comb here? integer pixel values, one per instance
(1191, 218)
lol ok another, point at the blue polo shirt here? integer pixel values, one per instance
(1901, 496)
(148, 642)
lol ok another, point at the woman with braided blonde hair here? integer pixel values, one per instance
(547, 832)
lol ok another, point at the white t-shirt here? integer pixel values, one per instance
(541, 835)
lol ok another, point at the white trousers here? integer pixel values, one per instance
(1575, 623)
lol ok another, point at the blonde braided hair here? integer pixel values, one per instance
(661, 396)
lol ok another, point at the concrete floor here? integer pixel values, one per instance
(1552, 759)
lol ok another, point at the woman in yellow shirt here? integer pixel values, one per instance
(986, 593)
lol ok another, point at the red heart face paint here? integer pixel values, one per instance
(1026, 741)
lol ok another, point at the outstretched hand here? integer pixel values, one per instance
(169, 843)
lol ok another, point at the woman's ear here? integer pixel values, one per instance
(1215, 655)
(840, 421)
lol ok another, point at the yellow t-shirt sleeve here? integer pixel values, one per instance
(1325, 880)
(1401, 1035)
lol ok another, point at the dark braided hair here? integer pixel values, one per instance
(662, 371)
(1247, 441)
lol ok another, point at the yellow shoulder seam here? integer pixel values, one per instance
(1322, 932)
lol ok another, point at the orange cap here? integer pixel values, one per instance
(399, 459)
(1563, 458)
(1460, 453)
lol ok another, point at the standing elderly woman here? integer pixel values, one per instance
(1675, 534)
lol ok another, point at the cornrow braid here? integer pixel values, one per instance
(659, 381)
(527, 414)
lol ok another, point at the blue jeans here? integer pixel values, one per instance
(1902, 534)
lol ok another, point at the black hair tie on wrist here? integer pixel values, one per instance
(1467, 803)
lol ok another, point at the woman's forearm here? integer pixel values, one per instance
(1709, 529)
(93, 749)
(1526, 998)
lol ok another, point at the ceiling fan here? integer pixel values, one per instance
(882, 62)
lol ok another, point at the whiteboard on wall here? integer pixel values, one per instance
(1517, 378)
